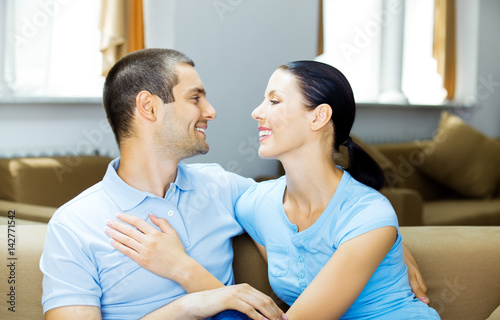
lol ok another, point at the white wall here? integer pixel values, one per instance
(236, 45)
(64, 127)
(487, 116)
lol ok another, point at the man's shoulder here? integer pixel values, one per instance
(202, 168)
(87, 202)
(208, 172)
(265, 190)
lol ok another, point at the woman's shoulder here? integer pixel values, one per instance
(360, 192)
(361, 200)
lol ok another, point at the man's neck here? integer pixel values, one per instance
(147, 171)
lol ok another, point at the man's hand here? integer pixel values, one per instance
(415, 277)
(160, 252)
(204, 304)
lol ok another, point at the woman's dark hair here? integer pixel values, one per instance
(153, 70)
(321, 83)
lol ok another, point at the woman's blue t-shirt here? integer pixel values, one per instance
(295, 258)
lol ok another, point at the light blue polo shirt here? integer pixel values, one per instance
(81, 267)
(295, 258)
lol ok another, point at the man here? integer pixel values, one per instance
(156, 105)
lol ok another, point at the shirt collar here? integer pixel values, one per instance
(127, 197)
(182, 180)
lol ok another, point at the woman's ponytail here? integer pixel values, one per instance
(362, 167)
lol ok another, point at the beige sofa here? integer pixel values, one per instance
(36, 187)
(460, 266)
(457, 173)
(440, 205)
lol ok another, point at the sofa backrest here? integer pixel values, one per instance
(406, 157)
(50, 181)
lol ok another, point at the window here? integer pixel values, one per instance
(51, 49)
(384, 48)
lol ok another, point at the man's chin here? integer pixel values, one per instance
(200, 151)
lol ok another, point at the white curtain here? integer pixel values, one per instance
(51, 48)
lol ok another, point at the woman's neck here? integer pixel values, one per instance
(311, 183)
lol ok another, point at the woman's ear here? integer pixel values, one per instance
(322, 116)
(146, 105)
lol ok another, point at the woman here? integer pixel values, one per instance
(330, 239)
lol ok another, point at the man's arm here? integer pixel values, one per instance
(162, 252)
(204, 304)
(74, 313)
(415, 277)
(193, 306)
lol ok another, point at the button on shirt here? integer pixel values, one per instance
(81, 267)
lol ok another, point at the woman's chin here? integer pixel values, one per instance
(263, 154)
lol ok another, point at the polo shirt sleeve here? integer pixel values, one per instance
(246, 214)
(69, 275)
(362, 218)
(240, 184)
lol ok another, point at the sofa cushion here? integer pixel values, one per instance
(463, 212)
(462, 158)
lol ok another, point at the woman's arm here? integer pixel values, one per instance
(160, 252)
(163, 253)
(342, 279)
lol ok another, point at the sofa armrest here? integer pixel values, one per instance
(407, 203)
(495, 315)
(27, 211)
(23, 296)
(460, 268)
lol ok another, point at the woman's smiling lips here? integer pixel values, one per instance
(264, 133)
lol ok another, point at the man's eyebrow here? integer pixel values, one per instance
(196, 90)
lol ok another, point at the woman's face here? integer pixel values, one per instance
(283, 121)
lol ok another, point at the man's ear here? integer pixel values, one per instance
(146, 105)
(322, 115)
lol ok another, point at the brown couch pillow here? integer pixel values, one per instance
(462, 158)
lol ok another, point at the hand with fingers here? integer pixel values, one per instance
(415, 277)
(161, 252)
(241, 297)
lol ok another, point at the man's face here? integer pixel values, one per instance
(183, 122)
